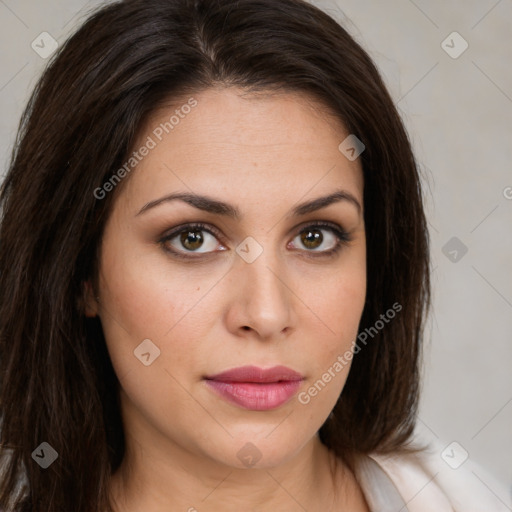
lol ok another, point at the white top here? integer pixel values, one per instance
(425, 482)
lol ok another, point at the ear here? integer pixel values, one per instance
(90, 304)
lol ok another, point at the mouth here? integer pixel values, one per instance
(254, 388)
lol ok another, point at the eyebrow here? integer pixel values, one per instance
(217, 207)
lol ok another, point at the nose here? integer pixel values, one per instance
(263, 303)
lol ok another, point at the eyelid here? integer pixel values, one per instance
(343, 237)
(198, 226)
(341, 234)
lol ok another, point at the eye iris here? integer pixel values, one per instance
(310, 237)
(191, 239)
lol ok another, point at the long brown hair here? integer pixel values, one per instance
(57, 383)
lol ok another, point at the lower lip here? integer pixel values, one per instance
(255, 396)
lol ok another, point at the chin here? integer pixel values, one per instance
(263, 450)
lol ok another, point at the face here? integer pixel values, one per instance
(237, 273)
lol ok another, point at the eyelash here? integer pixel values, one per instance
(343, 238)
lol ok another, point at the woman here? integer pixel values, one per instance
(214, 272)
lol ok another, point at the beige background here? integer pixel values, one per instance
(459, 115)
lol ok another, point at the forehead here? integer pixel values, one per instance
(267, 118)
(244, 145)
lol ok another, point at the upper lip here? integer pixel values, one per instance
(256, 374)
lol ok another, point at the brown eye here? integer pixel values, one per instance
(196, 240)
(311, 238)
(322, 239)
(191, 240)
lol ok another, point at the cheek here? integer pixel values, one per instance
(338, 306)
(144, 298)
(139, 289)
(340, 303)
(142, 301)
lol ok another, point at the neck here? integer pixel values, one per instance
(178, 480)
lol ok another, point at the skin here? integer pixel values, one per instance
(290, 306)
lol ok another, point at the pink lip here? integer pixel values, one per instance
(256, 388)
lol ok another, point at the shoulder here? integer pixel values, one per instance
(426, 481)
